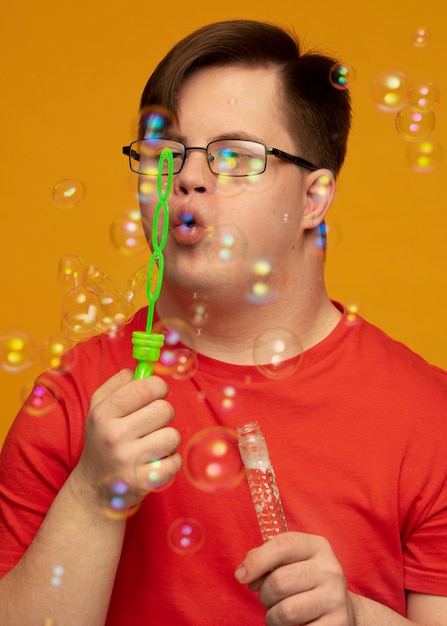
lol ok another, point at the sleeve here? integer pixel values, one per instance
(424, 476)
(40, 450)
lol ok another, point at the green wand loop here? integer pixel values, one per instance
(147, 345)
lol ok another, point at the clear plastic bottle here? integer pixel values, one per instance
(261, 480)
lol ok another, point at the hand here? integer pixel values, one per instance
(127, 437)
(299, 580)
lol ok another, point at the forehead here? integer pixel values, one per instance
(221, 100)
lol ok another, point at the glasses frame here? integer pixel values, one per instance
(276, 152)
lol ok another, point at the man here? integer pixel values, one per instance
(354, 422)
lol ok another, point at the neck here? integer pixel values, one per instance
(226, 328)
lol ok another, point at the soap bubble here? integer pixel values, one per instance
(80, 310)
(415, 124)
(228, 399)
(117, 498)
(352, 316)
(57, 573)
(17, 351)
(68, 193)
(155, 121)
(198, 315)
(150, 474)
(127, 233)
(53, 354)
(114, 311)
(424, 156)
(137, 281)
(226, 245)
(420, 36)
(277, 353)
(264, 281)
(424, 95)
(42, 398)
(225, 185)
(178, 356)
(148, 187)
(341, 76)
(390, 91)
(70, 272)
(186, 536)
(211, 460)
(96, 280)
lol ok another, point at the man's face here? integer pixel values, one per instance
(220, 227)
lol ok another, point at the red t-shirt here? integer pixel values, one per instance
(358, 441)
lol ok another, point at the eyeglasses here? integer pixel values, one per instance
(230, 157)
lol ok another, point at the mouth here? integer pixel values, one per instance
(187, 228)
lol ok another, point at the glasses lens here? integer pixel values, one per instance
(236, 157)
(145, 156)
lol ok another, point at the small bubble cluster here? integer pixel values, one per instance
(413, 104)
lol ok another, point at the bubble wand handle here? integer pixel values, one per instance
(261, 481)
(147, 345)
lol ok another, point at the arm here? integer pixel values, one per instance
(299, 580)
(126, 426)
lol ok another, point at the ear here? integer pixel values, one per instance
(320, 190)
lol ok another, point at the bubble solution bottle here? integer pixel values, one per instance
(261, 480)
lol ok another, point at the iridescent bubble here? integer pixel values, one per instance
(277, 352)
(57, 573)
(70, 272)
(390, 91)
(415, 124)
(420, 36)
(68, 193)
(424, 156)
(116, 497)
(137, 281)
(322, 187)
(186, 536)
(96, 280)
(53, 354)
(42, 398)
(352, 317)
(17, 351)
(198, 315)
(127, 233)
(226, 245)
(264, 281)
(155, 121)
(225, 185)
(211, 460)
(148, 187)
(178, 356)
(154, 474)
(80, 310)
(341, 76)
(228, 399)
(424, 95)
(114, 311)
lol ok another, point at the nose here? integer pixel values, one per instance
(195, 173)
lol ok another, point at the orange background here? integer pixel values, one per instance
(70, 85)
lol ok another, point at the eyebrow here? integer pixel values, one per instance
(237, 134)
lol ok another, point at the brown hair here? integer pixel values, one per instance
(317, 114)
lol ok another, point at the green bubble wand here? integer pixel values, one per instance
(146, 344)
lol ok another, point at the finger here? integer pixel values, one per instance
(294, 610)
(111, 385)
(121, 396)
(286, 548)
(157, 473)
(158, 414)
